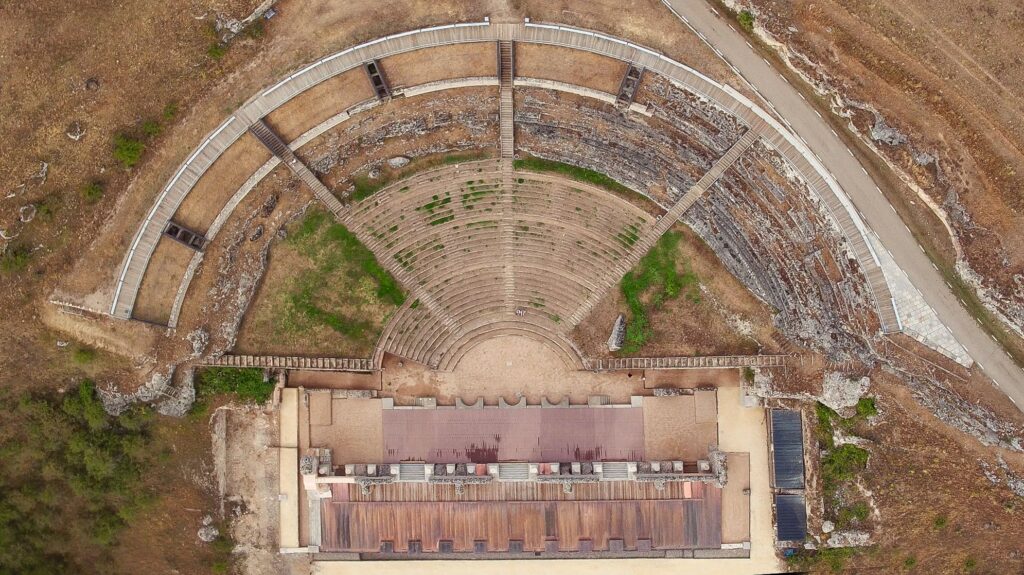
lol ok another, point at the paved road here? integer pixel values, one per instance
(859, 186)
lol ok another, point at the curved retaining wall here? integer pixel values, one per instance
(796, 153)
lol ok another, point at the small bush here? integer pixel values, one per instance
(841, 464)
(857, 512)
(748, 374)
(92, 192)
(245, 383)
(746, 20)
(152, 128)
(866, 408)
(217, 50)
(170, 111)
(970, 564)
(255, 30)
(940, 521)
(824, 430)
(128, 150)
(83, 355)
(910, 562)
(15, 258)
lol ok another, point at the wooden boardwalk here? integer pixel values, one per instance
(610, 364)
(137, 258)
(292, 362)
(697, 362)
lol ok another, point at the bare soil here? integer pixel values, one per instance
(727, 319)
(441, 63)
(568, 65)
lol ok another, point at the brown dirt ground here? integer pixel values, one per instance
(319, 103)
(948, 75)
(220, 182)
(440, 63)
(682, 327)
(919, 469)
(160, 284)
(568, 65)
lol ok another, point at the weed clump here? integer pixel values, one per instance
(128, 150)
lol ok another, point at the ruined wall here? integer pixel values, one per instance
(440, 122)
(772, 233)
(660, 156)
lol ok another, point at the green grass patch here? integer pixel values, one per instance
(83, 355)
(940, 521)
(341, 285)
(92, 192)
(655, 280)
(841, 464)
(15, 258)
(856, 513)
(824, 430)
(746, 20)
(217, 50)
(833, 559)
(245, 383)
(128, 150)
(866, 408)
(534, 164)
(152, 128)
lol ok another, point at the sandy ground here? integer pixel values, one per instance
(673, 429)
(333, 379)
(526, 369)
(356, 433)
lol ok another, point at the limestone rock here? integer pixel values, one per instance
(208, 533)
(840, 392)
(618, 334)
(827, 527)
(398, 161)
(849, 539)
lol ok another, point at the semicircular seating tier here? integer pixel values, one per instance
(673, 140)
(485, 251)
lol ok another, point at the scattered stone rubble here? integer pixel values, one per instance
(1001, 473)
(971, 418)
(841, 393)
(771, 232)
(618, 334)
(157, 391)
(1006, 301)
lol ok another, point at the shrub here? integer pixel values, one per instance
(970, 563)
(866, 408)
(940, 521)
(83, 355)
(246, 384)
(255, 30)
(128, 150)
(152, 128)
(910, 562)
(746, 20)
(170, 111)
(71, 473)
(824, 429)
(841, 464)
(92, 192)
(217, 50)
(857, 512)
(15, 258)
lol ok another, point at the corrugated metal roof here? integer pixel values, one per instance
(528, 434)
(787, 449)
(791, 517)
